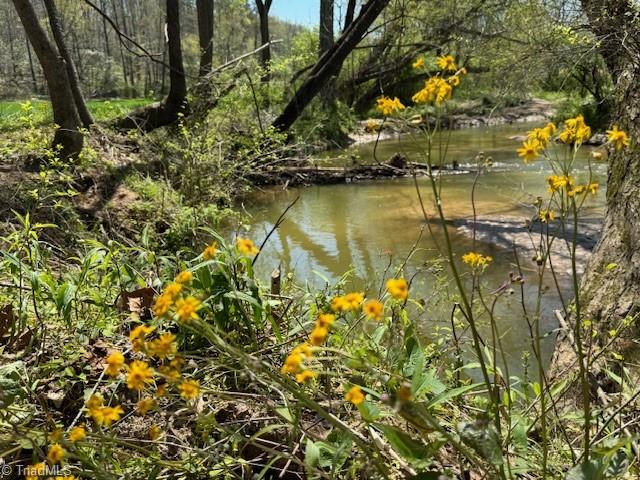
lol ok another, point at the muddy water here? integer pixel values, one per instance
(374, 226)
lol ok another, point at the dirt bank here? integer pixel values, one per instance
(534, 110)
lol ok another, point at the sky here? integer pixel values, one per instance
(301, 12)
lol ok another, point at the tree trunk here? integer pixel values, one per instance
(265, 55)
(329, 64)
(325, 42)
(67, 137)
(326, 26)
(205, 33)
(167, 112)
(610, 287)
(74, 81)
(350, 14)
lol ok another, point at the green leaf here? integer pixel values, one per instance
(311, 455)
(591, 470)
(406, 446)
(450, 394)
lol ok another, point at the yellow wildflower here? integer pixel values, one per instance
(169, 372)
(292, 363)
(305, 376)
(55, 454)
(597, 156)
(618, 138)
(476, 260)
(318, 336)
(575, 130)
(115, 362)
(303, 349)
(325, 320)
(436, 90)
(246, 247)
(77, 433)
(373, 309)
(184, 277)
(189, 389)
(530, 150)
(557, 182)
(593, 187)
(210, 252)
(162, 305)
(137, 336)
(353, 300)
(172, 290)
(144, 405)
(577, 190)
(547, 216)
(163, 346)
(388, 106)
(155, 432)
(187, 308)
(108, 415)
(140, 373)
(418, 63)
(454, 80)
(398, 288)
(354, 395)
(447, 63)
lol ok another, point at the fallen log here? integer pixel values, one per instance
(304, 175)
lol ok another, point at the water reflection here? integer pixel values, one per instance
(333, 228)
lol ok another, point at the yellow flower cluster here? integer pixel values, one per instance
(293, 364)
(537, 140)
(388, 106)
(246, 247)
(476, 260)
(398, 288)
(547, 216)
(446, 63)
(354, 395)
(559, 182)
(101, 414)
(186, 308)
(418, 63)
(618, 138)
(575, 131)
(348, 302)
(373, 309)
(436, 90)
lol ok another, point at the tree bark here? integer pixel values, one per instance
(167, 112)
(350, 14)
(204, 10)
(326, 26)
(74, 80)
(610, 288)
(265, 55)
(67, 136)
(329, 64)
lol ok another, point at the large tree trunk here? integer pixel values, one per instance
(67, 137)
(205, 33)
(325, 42)
(265, 55)
(329, 64)
(326, 26)
(167, 112)
(612, 293)
(74, 80)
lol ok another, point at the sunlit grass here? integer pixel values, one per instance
(102, 110)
